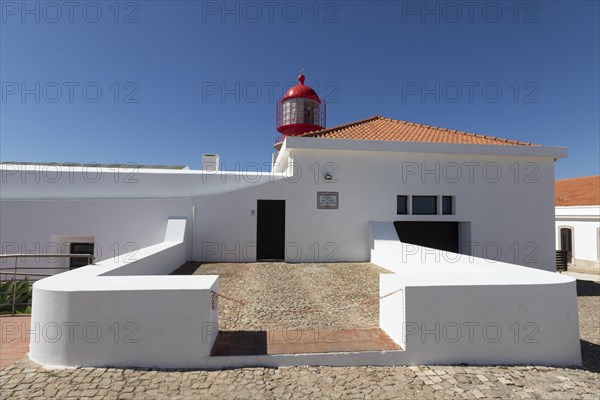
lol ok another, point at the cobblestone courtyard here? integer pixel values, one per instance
(26, 380)
(263, 296)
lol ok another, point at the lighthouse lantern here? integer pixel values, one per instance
(300, 110)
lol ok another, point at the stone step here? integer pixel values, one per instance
(298, 341)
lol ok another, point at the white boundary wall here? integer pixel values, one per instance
(475, 312)
(126, 313)
(453, 309)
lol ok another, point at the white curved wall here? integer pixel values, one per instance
(126, 313)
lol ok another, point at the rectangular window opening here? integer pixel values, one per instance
(81, 248)
(402, 205)
(447, 205)
(424, 205)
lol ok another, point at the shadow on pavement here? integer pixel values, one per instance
(588, 288)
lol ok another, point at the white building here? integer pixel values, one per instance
(577, 203)
(377, 189)
(484, 196)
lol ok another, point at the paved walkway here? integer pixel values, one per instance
(26, 380)
(279, 308)
(14, 338)
(236, 343)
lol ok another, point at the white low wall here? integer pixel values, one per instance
(451, 309)
(126, 313)
(115, 226)
(444, 309)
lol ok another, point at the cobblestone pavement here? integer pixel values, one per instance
(26, 380)
(295, 296)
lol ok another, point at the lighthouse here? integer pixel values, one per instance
(300, 110)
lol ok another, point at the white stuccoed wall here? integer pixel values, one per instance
(118, 226)
(585, 222)
(42, 208)
(507, 214)
(441, 312)
(452, 310)
(509, 218)
(21, 181)
(126, 313)
(510, 221)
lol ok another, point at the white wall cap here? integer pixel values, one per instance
(22, 182)
(98, 277)
(422, 266)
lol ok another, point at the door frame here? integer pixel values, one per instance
(560, 228)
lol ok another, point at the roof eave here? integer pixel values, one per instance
(303, 142)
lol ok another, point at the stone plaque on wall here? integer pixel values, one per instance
(328, 200)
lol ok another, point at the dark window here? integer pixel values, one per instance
(81, 248)
(401, 205)
(446, 205)
(424, 205)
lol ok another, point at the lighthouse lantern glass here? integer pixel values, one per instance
(300, 111)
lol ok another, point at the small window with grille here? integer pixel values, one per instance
(81, 248)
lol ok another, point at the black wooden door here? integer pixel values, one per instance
(270, 230)
(566, 243)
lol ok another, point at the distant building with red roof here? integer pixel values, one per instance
(577, 202)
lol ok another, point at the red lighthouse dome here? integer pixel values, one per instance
(300, 110)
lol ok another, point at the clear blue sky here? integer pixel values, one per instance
(181, 78)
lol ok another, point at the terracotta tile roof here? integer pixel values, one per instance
(583, 191)
(380, 128)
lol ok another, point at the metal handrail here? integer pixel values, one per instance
(15, 272)
(88, 256)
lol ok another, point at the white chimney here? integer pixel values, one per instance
(273, 159)
(210, 162)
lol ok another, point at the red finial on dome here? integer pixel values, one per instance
(301, 91)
